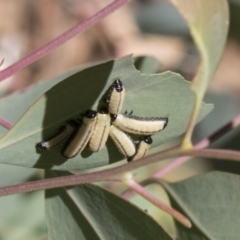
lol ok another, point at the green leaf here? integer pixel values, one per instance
(14, 208)
(15, 105)
(157, 95)
(211, 202)
(90, 212)
(147, 64)
(208, 21)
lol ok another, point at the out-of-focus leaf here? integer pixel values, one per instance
(158, 95)
(90, 212)
(211, 202)
(208, 22)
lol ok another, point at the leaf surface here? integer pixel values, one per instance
(152, 95)
(90, 212)
(208, 21)
(211, 201)
(147, 64)
(13, 106)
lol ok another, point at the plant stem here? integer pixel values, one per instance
(5, 123)
(200, 145)
(144, 193)
(44, 50)
(103, 175)
(114, 174)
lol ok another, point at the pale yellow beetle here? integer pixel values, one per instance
(80, 137)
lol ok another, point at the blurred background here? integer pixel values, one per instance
(143, 27)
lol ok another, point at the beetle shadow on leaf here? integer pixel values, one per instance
(113, 153)
(86, 153)
(66, 101)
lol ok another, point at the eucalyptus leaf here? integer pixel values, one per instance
(90, 212)
(147, 64)
(153, 95)
(13, 106)
(208, 21)
(211, 201)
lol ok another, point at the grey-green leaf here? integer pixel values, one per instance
(147, 64)
(156, 95)
(90, 212)
(211, 201)
(14, 105)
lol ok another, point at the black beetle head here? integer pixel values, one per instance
(113, 117)
(148, 140)
(90, 114)
(117, 84)
(41, 146)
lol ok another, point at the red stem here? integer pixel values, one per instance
(200, 145)
(5, 123)
(114, 174)
(144, 193)
(44, 50)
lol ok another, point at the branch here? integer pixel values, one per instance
(114, 174)
(144, 193)
(44, 50)
(200, 145)
(5, 123)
